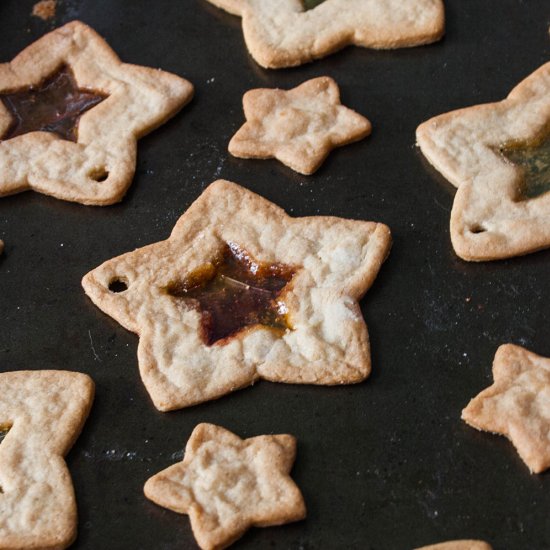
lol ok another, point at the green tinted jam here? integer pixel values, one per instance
(4, 429)
(534, 161)
(234, 292)
(310, 4)
(55, 105)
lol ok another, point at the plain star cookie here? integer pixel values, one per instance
(227, 485)
(458, 545)
(299, 127)
(517, 405)
(282, 33)
(41, 415)
(498, 155)
(241, 291)
(71, 114)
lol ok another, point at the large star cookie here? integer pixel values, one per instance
(299, 127)
(241, 291)
(41, 415)
(498, 155)
(71, 113)
(283, 34)
(458, 545)
(517, 405)
(226, 484)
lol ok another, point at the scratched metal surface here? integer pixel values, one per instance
(384, 465)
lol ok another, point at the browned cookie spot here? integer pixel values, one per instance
(235, 291)
(55, 105)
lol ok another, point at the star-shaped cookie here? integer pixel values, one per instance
(71, 114)
(284, 34)
(299, 127)
(517, 405)
(318, 268)
(41, 415)
(458, 545)
(498, 156)
(227, 485)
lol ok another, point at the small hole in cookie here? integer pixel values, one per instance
(99, 174)
(476, 229)
(118, 285)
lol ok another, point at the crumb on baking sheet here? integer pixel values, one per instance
(45, 9)
(1, 247)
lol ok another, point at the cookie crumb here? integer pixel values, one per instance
(45, 9)
(1, 247)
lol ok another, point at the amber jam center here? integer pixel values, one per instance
(55, 105)
(534, 160)
(235, 291)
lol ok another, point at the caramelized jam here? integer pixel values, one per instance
(55, 105)
(534, 160)
(235, 292)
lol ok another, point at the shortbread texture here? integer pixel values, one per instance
(458, 545)
(227, 485)
(517, 405)
(280, 33)
(99, 167)
(336, 260)
(299, 127)
(490, 219)
(44, 411)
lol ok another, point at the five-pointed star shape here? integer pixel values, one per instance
(299, 127)
(336, 261)
(517, 405)
(284, 34)
(491, 217)
(99, 167)
(43, 413)
(227, 484)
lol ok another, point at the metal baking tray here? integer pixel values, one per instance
(383, 465)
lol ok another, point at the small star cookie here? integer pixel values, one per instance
(41, 415)
(517, 405)
(498, 155)
(241, 291)
(71, 114)
(299, 127)
(458, 545)
(227, 485)
(285, 34)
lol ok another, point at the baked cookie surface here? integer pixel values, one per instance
(517, 405)
(458, 545)
(282, 33)
(314, 333)
(41, 415)
(71, 114)
(498, 155)
(227, 485)
(298, 127)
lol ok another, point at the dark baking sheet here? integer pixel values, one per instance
(384, 465)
